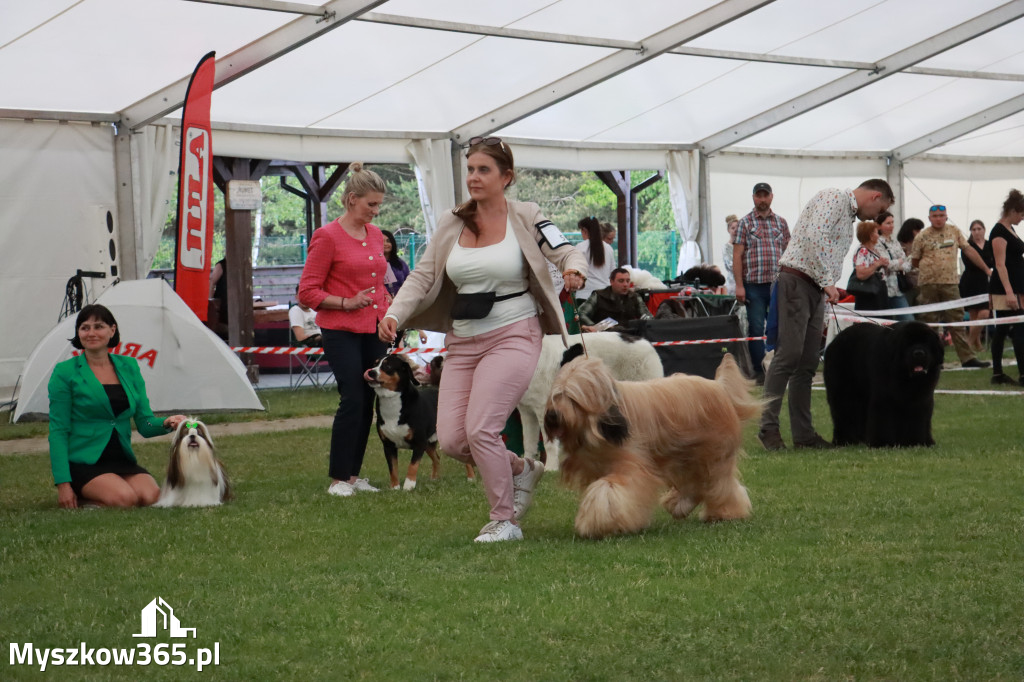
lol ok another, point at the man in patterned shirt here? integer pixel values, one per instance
(809, 270)
(935, 252)
(760, 239)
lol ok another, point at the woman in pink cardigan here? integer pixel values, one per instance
(343, 280)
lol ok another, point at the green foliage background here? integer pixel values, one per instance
(564, 196)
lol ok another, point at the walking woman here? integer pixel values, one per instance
(1007, 284)
(343, 280)
(484, 280)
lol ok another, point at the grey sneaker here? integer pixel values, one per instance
(523, 486)
(362, 485)
(341, 489)
(499, 531)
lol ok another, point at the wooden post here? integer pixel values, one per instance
(238, 252)
(618, 183)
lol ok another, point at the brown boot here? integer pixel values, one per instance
(816, 443)
(771, 440)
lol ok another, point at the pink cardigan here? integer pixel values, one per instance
(338, 265)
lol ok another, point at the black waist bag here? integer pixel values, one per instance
(478, 306)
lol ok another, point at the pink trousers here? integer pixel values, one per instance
(484, 378)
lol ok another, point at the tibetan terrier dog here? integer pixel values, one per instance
(625, 441)
(195, 477)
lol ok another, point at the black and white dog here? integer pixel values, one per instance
(195, 477)
(406, 418)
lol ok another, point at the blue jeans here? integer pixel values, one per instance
(758, 298)
(349, 355)
(900, 301)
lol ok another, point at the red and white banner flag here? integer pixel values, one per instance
(195, 192)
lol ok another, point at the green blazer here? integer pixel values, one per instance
(81, 419)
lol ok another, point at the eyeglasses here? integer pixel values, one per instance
(937, 207)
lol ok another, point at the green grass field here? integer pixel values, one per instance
(857, 565)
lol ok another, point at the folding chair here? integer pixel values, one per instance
(305, 368)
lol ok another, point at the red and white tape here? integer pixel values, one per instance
(290, 350)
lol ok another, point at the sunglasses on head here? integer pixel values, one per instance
(937, 207)
(487, 141)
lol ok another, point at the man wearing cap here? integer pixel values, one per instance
(934, 253)
(808, 272)
(760, 239)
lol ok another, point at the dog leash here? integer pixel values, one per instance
(576, 318)
(854, 312)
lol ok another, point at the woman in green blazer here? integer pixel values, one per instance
(93, 398)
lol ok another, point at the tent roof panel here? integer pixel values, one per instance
(120, 51)
(999, 50)
(1002, 138)
(598, 18)
(468, 11)
(326, 77)
(887, 114)
(710, 105)
(622, 98)
(367, 75)
(464, 85)
(857, 30)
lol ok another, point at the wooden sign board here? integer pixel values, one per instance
(244, 195)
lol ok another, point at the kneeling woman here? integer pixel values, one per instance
(93, 398)
(488, 248)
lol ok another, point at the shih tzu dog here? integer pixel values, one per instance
(624, 442)
(195, 477)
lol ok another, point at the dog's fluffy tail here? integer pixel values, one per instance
(738, 387)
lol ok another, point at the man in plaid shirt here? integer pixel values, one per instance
(760, 239)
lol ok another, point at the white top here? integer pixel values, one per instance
(730, 277)
(598, 277)
(297, 317)
(500, 268)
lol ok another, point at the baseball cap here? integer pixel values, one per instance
(762, 187)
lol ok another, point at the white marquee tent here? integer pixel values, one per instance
(801, 93)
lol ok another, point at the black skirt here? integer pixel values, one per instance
(112, 461)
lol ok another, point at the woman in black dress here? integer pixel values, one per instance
(974, 281)
(1007, 284)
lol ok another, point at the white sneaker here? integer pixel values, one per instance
(341, 489)
(362, 485)
(499, 531)
(523, 486)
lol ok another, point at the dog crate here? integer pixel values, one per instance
(696, 359)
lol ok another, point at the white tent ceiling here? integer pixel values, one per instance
(803, 93)
(786, 76)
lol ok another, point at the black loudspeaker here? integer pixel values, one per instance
(696, 359)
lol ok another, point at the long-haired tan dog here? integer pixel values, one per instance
(626, 441)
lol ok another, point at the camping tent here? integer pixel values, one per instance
(719, 93)
(187, 368)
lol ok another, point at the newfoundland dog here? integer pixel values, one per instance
(880, 383)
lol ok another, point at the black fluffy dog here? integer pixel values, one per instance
(880, 383)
